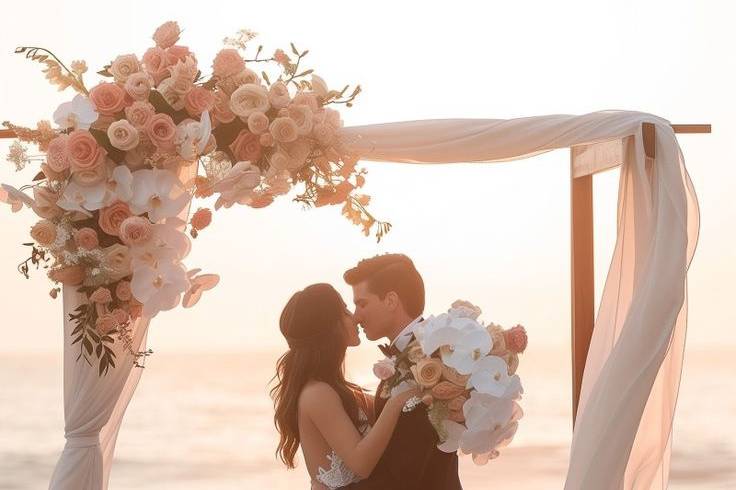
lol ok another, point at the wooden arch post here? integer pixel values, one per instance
(581, 260)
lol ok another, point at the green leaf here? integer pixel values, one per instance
(77, 339)
(103, 366)
(293, 49)
(265, 77)
(98, 351)
(87, 345)
(160, 104)
(104, 141)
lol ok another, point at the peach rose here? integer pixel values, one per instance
(124, 66)
(52, 175)
(46, 200)
(123, 292)
(384, 369)
(185, 69)
(283, 130)
(89, 177)
(56, 155)
(105, 323)
(161, 129)
(427, 372)
(278, 95)
(117, 260)
(123, 135)
(179, 53)
(201, 219)
(302, 116)
(246, 147)
(249, 98)
(71, 276)
(139, 85)
(86, 238)
(135, 309)
(227, 62)
(108, 98)
(456, 404)
(135, 230)
(44, 233)
(308, 99)
(221, 109)
(101, 296)
(111, 217)
(516, 339)
(415, 352)
(156, 64)
(266, 139)
(231, 83)
(83, 151)
(139, 112)
(257, 122)
(167, 34)
(198, 100)
(121, 316)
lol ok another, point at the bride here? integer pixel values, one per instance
(317, 409)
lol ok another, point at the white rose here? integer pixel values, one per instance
(249, 98)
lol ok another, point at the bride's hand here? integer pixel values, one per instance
(399, 400)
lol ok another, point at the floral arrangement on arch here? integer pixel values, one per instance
(122, 163)
(467, 375)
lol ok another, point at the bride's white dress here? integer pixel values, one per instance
(338, 475)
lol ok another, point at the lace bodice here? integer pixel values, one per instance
(338, 474)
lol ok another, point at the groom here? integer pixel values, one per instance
(388, 293)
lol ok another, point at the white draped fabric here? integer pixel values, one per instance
(624, 423)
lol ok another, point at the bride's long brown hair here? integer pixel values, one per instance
(312, 324)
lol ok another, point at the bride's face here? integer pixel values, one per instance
(350, 328)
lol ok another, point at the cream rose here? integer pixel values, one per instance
(124, 66)
(283, 130)
(117, 261)
(123, 135)
(427, 372)
(258, 122)
(249, 98)
(278, 95)
(302, 116)
(139, 85)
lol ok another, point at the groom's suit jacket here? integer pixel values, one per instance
(411, 460)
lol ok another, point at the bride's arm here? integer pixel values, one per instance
(361, 454)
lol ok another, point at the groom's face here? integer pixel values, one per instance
(371, 312)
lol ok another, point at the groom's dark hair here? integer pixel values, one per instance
(391, 272)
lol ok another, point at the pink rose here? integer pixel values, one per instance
(156, 64)
(46, 200)
(105, 323)
(139, 112)
(246, 147)
(384, 369)
(161, 129)
(221, 110)
(302, 116)
(124, 66)
(44, 233)
(86, 238)
(101, 296)
(71, 276)
(123, 292)
(167, 34)
(201, 219)
(139, 85)
(516, 339)
(123, 135)
(278, 95)
(178, 53)
(135, 230)
(111, 217)
(308, 99)
(258, 123)
(108, 98)
(56, 155)
(83, 150)
(198, 100)
(227, 62)
(266, 139)
(284, 130)
(92, 176)
(121, 316)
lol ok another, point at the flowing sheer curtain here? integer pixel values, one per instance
(623, 431)
(94, 405)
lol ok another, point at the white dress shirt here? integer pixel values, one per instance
(402, 340)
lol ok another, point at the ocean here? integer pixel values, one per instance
(204, 421)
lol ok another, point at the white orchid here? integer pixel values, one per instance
(490, 376)
(159, 193)
(120, 184)
(191, 137)
(491, 423)
(238, 184)
(15, 198)
(168, 243)
(80, 113)
(464, 340)
(83, 198)
(159, 288)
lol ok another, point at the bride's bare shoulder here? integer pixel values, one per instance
(316, 395)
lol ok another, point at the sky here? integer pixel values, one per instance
(495, 234)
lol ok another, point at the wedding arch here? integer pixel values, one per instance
(627, 358)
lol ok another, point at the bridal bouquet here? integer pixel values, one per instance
(121, 164)
(466, 371)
